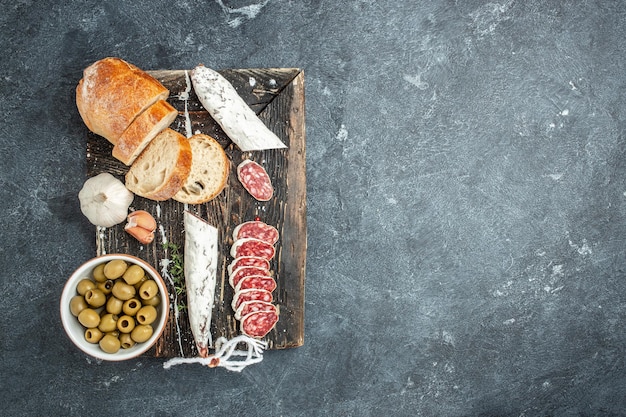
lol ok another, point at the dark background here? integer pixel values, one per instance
(466, 205)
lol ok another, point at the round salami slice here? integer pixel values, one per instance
(261, 282)
(258, 230)
(252, 307)
(252, 247)
(255, 180)
(258, 324)
(248, 261)
(245, 271)
(251, 295)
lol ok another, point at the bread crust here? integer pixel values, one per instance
(209, 171)
(112, 93)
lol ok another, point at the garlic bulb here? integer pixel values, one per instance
(104, 200)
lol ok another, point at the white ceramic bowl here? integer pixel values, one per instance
(76, 331)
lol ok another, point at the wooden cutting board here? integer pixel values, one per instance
(277, 96)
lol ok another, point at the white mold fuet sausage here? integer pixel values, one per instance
(200, 263)
(228, 109)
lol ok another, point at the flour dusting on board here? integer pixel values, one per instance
(165, 265)
(185, 97)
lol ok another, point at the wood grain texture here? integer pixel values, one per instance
(277, 96)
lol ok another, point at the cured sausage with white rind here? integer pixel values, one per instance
(255, 180)
(227, 108)
(200, 269)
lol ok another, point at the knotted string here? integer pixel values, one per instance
(227, 355)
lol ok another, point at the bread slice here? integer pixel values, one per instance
(162, 168)
(142, 130)
(209, 171)
(112, 93)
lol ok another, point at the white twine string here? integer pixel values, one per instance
(227, 356)
(185, 96)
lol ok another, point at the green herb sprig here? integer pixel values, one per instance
(176, 270)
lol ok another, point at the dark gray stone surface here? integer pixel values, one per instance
(466, 205)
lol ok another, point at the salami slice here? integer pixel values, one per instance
(245, 271)
(248, 261)
(260, 282)
(258, 324)
(255, 180)
(252, 247)
(252, 307)
(258, 230)
(251, 295)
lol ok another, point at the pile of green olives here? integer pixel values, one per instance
(116, 305)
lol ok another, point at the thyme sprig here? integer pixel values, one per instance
(176, 270)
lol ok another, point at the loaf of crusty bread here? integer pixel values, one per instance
(142, 130)
(162, 168)
(112, 93)
(209, 171)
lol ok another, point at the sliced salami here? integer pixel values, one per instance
(258, 230)
(260, 282)
(245, 271)
(258, 324)
(248, 261)
(252, 247)
(251, 295)
(255, 180)
(253, 307)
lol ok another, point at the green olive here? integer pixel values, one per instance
(148, 290)
(127, 341)
(126, 324)
(154, 301)
(133, 274)
(93, 335)
(95, 298)
(84, 285)
(141, 333)
(123, 291)
(115, 268)
(146, 315)
(114, 305)
(138, 285)
(77, 304)
(106, 286)
(108, 322)
(131, 307)
(89, 318)
(98, 273)
(114, 333)
(110, 344)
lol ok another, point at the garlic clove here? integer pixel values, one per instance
(144, 236)
(142, 219)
